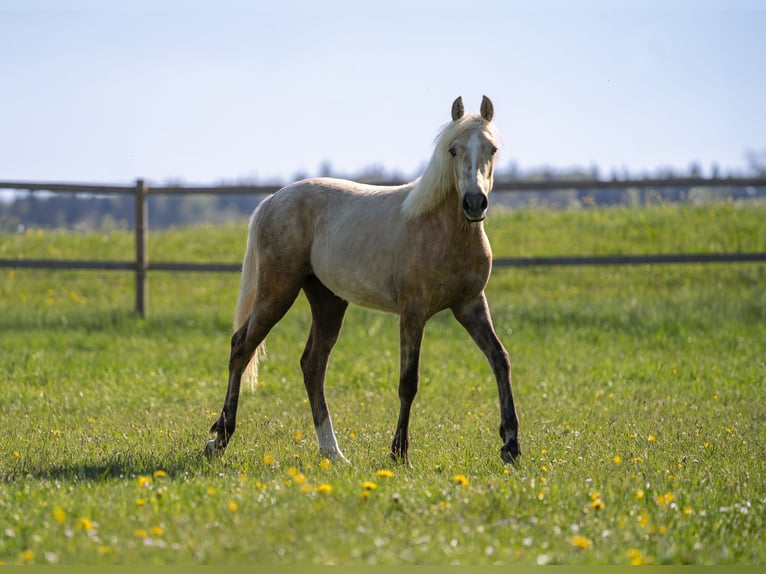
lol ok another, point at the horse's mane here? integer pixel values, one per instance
(437, 179)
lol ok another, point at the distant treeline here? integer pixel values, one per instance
(82, 211)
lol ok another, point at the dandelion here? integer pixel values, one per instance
(324, 488)
(59, 515)
(367, 485)
(27, 556)
(580, 542)
(211, 490)
(140, 501)
(144, 480)
(157, 530)
(597, 504)
(639, 494)
(384, 473)
(635, 557)
(688, 510)
(298, 436)
(141, 533)
(325, 464)
(307, 488)
(460, 479)
(268, 460)
(664, 499)
(85, 524)
(651, 438)
(56, 432)
(617, 459)
(292, 471)
(232, 506)
(16, 454)
(160, 474)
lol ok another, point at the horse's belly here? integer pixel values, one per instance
(365, 292)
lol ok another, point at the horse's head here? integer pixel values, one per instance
(473, 157)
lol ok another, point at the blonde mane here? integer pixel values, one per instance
(436, 182)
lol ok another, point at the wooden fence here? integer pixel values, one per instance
(141, 264)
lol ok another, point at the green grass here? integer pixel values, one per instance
(640, 390)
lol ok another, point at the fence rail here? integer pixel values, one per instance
(141, 264)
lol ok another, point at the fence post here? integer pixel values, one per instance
(142, 239)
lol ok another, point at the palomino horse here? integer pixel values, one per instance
(413, 250)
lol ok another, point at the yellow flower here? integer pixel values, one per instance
(617, 459)
(306, 488)
(16, 454)
(299, 478)
(580, 542)
(140, 501)
(160, 474)
(59, 515)
(460, 479)
(292, 471)
(651, 438)
(268, 460)
(85, 524)
(324, 488)
(597, 504)
(211, 490)
(367, 485)
(298, 436)
(635, 557)
(27, 556)
(639, 494)
(157, 530)
(232, 506)
(141, 533)
(384, 473)
(688, 510)
(325, 463)
(144, 480)
(664, 499)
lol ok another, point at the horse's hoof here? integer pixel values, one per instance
(510, 454)
(212, 449)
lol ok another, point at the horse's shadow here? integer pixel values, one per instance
(118, 467)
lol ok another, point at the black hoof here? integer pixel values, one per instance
(511, 452)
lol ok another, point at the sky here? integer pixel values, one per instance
(232, 91)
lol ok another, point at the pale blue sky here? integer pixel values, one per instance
(209, 91)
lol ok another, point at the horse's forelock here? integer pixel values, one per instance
(436, 180)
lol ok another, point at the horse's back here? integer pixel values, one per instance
(343, 232)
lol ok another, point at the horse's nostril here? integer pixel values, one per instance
(484, 202)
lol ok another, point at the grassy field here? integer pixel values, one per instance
(641, 393)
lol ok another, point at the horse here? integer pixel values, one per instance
(413, 250)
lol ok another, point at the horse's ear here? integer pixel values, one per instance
(457, 109)
(487, 109)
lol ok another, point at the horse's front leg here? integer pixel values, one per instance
(474, 316)
(411, 329)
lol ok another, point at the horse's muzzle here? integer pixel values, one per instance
(475, 206)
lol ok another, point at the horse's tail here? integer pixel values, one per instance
(245, 303)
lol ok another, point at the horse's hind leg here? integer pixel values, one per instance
(327, 311)
(271, 303)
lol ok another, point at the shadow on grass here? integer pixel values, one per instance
(178, 461)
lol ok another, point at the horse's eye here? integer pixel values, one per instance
(452, 151)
